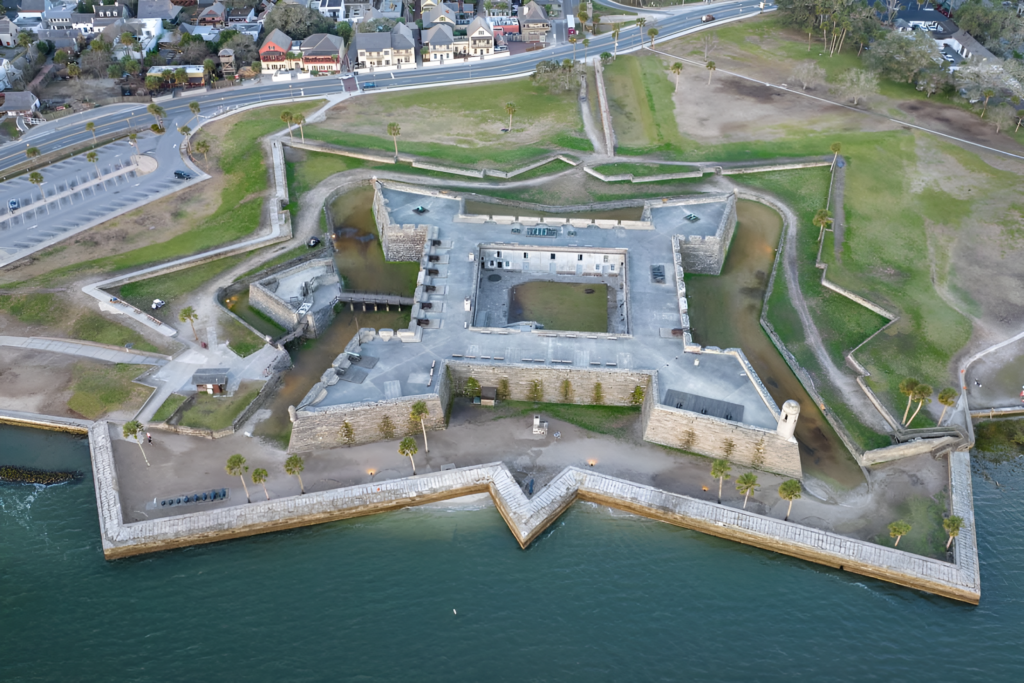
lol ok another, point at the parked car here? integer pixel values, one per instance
(158, 304)
(501, 48)
(13, 205)
(313, 242)
(706, 18)
(371, 84)
(181, 175)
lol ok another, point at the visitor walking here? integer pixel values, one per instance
(149, 438)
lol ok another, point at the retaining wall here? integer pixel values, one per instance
(621, 177)
(940, 446)
(399, 242)
(616, 385)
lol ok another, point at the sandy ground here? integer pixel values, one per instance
(183, 465)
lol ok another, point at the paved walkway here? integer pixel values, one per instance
(19, 417)
(111, 354)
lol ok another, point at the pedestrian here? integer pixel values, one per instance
(149, 438)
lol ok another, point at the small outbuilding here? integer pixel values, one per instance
(211, 380)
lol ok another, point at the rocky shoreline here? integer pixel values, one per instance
(11, 474)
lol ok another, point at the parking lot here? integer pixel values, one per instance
(77, 194)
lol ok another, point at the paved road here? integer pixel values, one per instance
(71, 130)
(78, 194)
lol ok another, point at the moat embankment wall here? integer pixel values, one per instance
(527, 518)
(50, 423)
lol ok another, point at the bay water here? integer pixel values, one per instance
(445, 594)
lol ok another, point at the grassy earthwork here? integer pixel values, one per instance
(567, 306)
(167, 408)
(642, 170)
(616, 421)
(219, 412)
(99, 388)
(172, 287)
(640, 100)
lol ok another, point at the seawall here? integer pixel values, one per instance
(527, 518)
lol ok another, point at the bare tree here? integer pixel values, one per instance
(808, 73)
(856, 84)
(892, 7)
(709, 42)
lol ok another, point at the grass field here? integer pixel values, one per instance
(173, 287)
(462, 124)
(643, 170)
(240, 339)
(926, 537)
(561, 305)
(94, 327)
(213, 412)
(167, 408)
(35, 309)
(643, 114)
(611, 420)
(98, 389)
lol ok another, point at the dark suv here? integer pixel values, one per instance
(181, 175)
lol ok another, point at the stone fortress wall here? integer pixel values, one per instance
(265, 297)
(400, 242)
(704, 255)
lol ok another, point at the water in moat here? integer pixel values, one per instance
(438, 595)
(725, 311)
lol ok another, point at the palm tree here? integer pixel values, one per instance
(236, 467)
(615, 36)
(35, 178)
(300, 121)
(417, 414)
(93, 157)
(677, 69)
(572, 39)
(746, 484)
(158, 113)
(133, 430)
(789, 490)
(32, 152)
(907, 387)
(720, 471)
(640, 23)
(260, 476)
(185, 130)
(194, 108)
(986, 93)
(74, 70)
(652, 32)
(24, 39)
(583, 16)
(203, 147)
(189, 315)
(510, 109)
(208, 69)
(922, 395)
(952, 525)
(586, 44)
(836, 148)
(133, 138)
(407, 447)
(822, 219)
(947, 397)
(394, 130)
(91, 127)
(898, 530)
(710, 66)
(287, 118)
(294, 466)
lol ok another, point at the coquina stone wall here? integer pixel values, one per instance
(616, 385)
(761, 449)
(706, 255)
(317, 428)
(400, 242)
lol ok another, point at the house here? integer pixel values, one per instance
(332, 9)
(146, 31)
(67, 39)
(211, 380)
(9, 75)
(208, 33)
(503, 26)
(8, 33)
(403, 45)
(275, 50)
(390, 9)
(57, 17)
(242, 15)
(164, 10)
(438, 43)
(32, 9)
(105, 15)
(439, 14)
(252, 30)
(214, 15)
(196, 74)
(373, 50)
(227, 62)
(18, 103)
(480, 37)
(357, 11)
(323, 53)
(533, 23)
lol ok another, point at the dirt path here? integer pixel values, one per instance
(839, 217)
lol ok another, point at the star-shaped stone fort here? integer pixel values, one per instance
(493, 295)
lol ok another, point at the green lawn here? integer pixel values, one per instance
(643, 113)
(240, 339)
(561, 305)
(94, 327)
(35, 309)
(176, 286)
(98, 389)
(240, 207)
(219, 412)
(168, 407)
(926, 537)
(612, 420)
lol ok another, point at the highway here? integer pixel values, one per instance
(71, 130)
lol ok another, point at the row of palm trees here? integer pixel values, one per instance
(952, 526)
(917, 392)
(746, 484)
(237, 467)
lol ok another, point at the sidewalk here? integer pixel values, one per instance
(102, 352)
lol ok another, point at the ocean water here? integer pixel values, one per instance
(445, 594)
